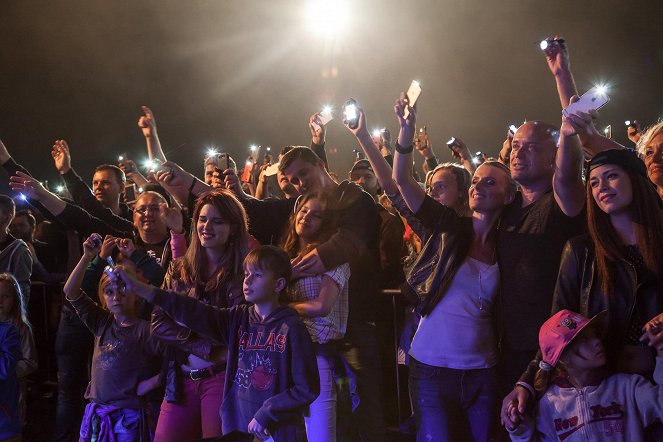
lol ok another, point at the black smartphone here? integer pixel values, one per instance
(451, 144)
(351, 113)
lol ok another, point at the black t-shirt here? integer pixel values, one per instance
(529, 248)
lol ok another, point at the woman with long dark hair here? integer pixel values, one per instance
(617, 267)
(321, 301)
(211, 271)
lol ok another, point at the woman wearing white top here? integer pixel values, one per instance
(454, 351)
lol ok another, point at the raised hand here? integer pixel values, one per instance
(504, 156)
(578, 124)
(147, 123)
(362, 127)
(92, 246)
(460, 151)
(28, 186)
(107, 246)
(557, 56)
(172, 174)
(126, 246)
(634, 132)
(173, 217)
(61, 156)
(407, 124)
(317, 129)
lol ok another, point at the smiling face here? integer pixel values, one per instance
(443, 188)
(611, 188)
(305, 177)
(106, 188)
(212, 229)
(653, 156)
(533, 153)
(147, 214)
(309, 219)
(489, 191)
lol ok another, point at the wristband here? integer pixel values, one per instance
(193, 183)
(404, 150)
(527, 387)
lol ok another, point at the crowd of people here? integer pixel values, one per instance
(247, 303)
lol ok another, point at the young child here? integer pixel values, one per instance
(10, 350)
(122, 349)
(14, 312)
(272, 376)
(584, 402)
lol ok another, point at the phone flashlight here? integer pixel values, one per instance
(351, 113)
(120, 158)
(627, 123)
(253, 148)
(478, 158)
(376, 133)
(59, 189)
(451, 143)
(544, 44)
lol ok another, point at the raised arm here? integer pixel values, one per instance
(318, 133)
(380, 166)
(412, 193)
(148, 125)
(567, 179)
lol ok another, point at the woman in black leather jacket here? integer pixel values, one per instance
(618, 266)
(211, 271)
(453, 377)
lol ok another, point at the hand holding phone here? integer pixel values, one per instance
(593, 99)
(351, 113)
(412, 95)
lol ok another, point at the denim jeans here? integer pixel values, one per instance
(453, 405)
(73, 347)
(321, 424)
(360, 348)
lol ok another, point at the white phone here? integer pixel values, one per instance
(325, 116)
(413, 93)
(593, 99)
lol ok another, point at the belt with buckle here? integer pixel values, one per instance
(207, 372)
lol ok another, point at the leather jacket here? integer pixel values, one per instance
(579, 289)
(182, 341)
(446, 231)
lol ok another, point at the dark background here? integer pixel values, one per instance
(233, 73)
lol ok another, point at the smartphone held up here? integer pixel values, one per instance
(412, 95)
(593, 99)
(351, 113)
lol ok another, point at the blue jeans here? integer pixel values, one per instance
(453, 405)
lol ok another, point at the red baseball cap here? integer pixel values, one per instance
(559, 331)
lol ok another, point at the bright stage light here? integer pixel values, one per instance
(328, 17)
(376, 133)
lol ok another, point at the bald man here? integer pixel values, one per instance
(548, 210)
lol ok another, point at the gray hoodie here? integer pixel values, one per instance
(16, 259)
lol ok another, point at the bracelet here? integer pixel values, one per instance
(193, 183)
(527, 387)
(403, 150)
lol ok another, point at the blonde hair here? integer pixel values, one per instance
(18, 315)
(646, 138)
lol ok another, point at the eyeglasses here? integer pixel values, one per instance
(142, 210)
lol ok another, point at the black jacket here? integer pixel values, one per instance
(579, 289)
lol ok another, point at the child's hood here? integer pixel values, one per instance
(279, 314)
